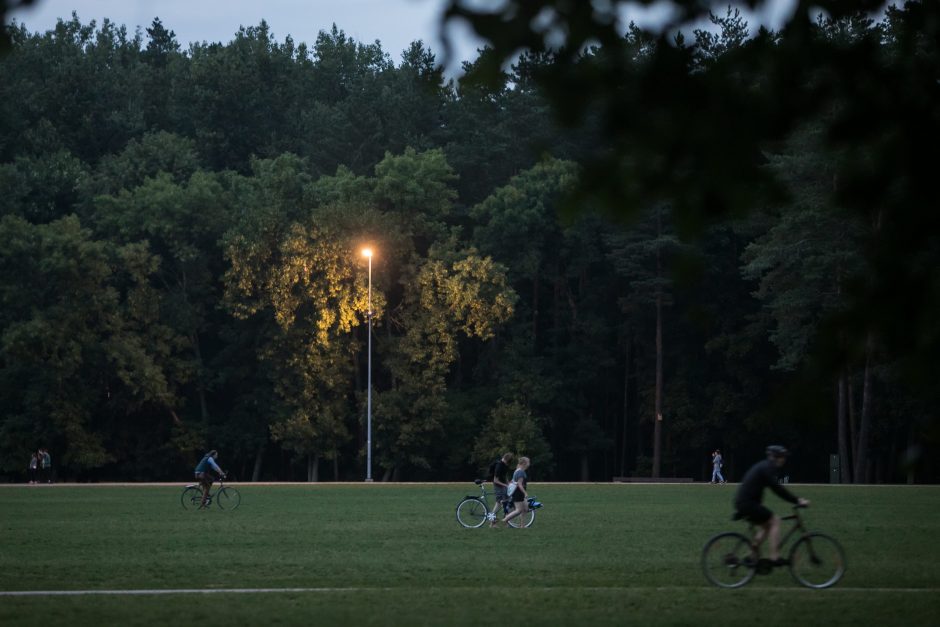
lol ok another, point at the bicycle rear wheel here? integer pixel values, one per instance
(817, 561)
(523, 520)
(471, 512)
(228, 498)
(728, 560)
(191, 498)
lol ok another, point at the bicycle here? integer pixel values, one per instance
(473, 511)
(816, 560)
(224, 497)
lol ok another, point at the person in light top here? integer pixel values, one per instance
(207, 471)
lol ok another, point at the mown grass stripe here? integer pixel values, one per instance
(183, 591)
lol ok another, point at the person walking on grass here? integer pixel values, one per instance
(716, 467)
(34, 468)
(207, 471)
(45, 465)
(497, 474)
(519, 495)
(747, 500)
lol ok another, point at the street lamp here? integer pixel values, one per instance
(367, 252)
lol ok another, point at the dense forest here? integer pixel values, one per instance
(180, 267)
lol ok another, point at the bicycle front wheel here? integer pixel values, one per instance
(471, 512)
(228, 498)
(728, 560)
(523, 520)
(191, 498)
(817, 561)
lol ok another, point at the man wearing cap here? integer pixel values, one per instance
(747, 500)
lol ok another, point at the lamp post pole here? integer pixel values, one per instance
(368, 253)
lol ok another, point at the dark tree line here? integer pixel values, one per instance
(602, 279)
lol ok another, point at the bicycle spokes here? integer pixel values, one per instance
(728, 560)
(817, 561)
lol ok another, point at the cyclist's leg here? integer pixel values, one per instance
(774, 534)
(770, 531)
(760, 534)
(761, 518)
(205, 481)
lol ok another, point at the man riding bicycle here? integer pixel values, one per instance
(207, 471)
(747, 501)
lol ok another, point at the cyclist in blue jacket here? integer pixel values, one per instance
(207, 471)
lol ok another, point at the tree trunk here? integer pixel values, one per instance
(556, 310)
(853, 424)
(845, 475)
(335, 467)
(861, 460)
(907, 459)
(585, 468)
(200, 384)
(658, 417)
(388, 475)
(626, 404)
(259, 459)
(535, 309)
(313, 468)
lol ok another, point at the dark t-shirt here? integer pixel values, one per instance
(761, 475)
(499, 471)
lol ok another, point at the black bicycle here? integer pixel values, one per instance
(473, 511)
(816, 560)
(225, 497)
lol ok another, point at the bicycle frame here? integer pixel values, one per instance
(217, 484)
(472, 517)
(816, 560)
(484, 495)
(796, 528)
(226, 497)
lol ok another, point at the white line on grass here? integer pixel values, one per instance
(68, 593)
(146, 592)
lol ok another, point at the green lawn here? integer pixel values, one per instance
(395, 555)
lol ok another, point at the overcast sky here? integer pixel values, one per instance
(396, 23)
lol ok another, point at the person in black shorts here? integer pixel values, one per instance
(747, 500)
(520, 495)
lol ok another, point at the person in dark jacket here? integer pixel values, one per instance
(497, 473)
(748, 499)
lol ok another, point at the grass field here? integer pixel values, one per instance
(597, 554)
